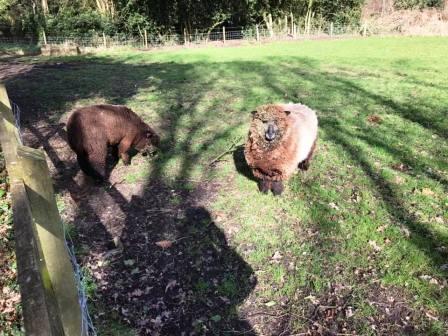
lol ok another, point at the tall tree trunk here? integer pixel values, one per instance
(45, 7)
(269, 25)
(105, 7)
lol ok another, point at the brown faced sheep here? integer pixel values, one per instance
(281, 138)
(91, 129)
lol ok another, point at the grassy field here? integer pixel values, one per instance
(358, 244)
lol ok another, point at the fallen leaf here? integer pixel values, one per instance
(374, 119)
(382, 228)
(277, 256)
(333, 206)
(349, 312)
(432, 317)
(433, 281)
(165, 244)
(216, 318)
(375, 246)
(225, 299)
(170, 285)
(401, 167)
(399, 180)
(427, 192)
(129, 262)
(137, 292)
(313, 299)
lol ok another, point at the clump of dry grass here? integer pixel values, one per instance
(410, 22)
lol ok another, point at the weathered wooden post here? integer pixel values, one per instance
(39, 305)
(104, 40)
(223, 34)
(258, 33)
(146, 39)
(46, 277)
(185, 37)
(331, 29)
(44, 36)
(292, 25)
(50, 233)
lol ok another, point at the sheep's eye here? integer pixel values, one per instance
(264, 121)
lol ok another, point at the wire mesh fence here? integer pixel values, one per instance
(222, 35)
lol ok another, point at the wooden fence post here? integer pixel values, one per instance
(185, 37)
(146, 39)
(331, 29)
(40, 309)
(104, 40)
(39, 187)
(223, 34)
(258, 33)
(44, 36)
(292, 25)
(55, 273)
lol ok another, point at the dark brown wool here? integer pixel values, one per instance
(92, 129)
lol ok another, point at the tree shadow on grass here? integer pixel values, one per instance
(200, 263)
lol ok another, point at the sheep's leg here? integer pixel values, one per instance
(265, 186)
(123, 148)
(85, 165)
(97, 160)
(277, 188)
(305, 164)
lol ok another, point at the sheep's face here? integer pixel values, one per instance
(147, 141)
(270, 122)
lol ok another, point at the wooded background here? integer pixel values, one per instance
(131, 17)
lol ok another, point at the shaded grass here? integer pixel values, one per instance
(354, 218)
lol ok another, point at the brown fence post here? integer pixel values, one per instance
(258, 33)
(223, 34)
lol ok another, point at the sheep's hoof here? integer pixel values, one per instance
(277, 188)
(304, 165)
(264, 186)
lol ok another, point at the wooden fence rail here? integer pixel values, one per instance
(47, 283)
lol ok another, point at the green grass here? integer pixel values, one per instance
(354, 212)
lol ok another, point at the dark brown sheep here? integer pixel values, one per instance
(92, 129)
(281, 138)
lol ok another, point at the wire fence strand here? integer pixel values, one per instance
(100, 40)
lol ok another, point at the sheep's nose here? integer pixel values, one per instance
(270, 133)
